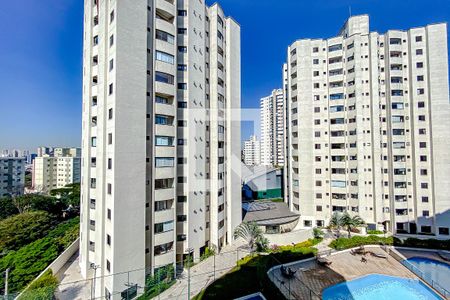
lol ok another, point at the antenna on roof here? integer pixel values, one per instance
(349, 10)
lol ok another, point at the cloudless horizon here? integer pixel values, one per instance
(41, 55)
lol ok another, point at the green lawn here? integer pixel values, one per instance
(250, 274)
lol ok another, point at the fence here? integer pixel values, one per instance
(422, 275)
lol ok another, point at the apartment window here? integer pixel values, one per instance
(164, 248)
(163, 120)
(164, 140)
(422, 118)
(108, 240)
(111, 40)
(181, 218)
(315, 61)
(163, 183)
(161, 99)
(182, 49)
(181, 142)
(94, 141)
(111, 16)
(318, 183)
(423, 172)
(425, 199)
(315, 49)
(111, 89)
(111, 65)
(444, 231)
(109, 188)
(182, 13)
(92, 203)
(110, 113)
(182, 30)
(422, 131)
(420, 78)
(316, 85)
(182, 179)
(93, 183)
(182, 67)
(419, 65)
(108, 266)
(334, 47)
(110, 138)
(165, 57)
(108, 214)
(182, 199)
(163, 227)
(316, 73)
(422, 145)
(109, 163)
(95, 40)
(423, 158)
(424, 185)
(163, 205)
(182, 104)
(182, 123)
(164, 162)
(425, 229)
(94, 101)
(181, 237)
(419, 51)
(397, 105)
(182, 86)
(395, 41)
(418, 38)
(164, 77)
(164, 36)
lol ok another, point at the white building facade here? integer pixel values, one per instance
(252, 151)
(12, 176)
(57, 171)
(273, 128)
(161, 81)
(368, 117)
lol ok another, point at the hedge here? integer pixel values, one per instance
(427, 243)
(355, 241)
(42, 289)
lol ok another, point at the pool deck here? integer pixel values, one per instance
(432, 254)
(344, 267)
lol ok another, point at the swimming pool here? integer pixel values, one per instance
(432, 269)
(380, 287)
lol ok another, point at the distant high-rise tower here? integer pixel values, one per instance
(161, 142)
(252, 151)
(273, 128)
(369, 120)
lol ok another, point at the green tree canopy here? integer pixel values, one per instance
(21, 229)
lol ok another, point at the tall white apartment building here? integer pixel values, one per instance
(252, 151)
(12, 176)
(273, 128)
(161, 80)
(369, 115)
(57, 171)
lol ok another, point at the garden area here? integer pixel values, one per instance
(34, 230)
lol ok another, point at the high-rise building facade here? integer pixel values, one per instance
(12, 176)
(252, 151)
(58, 170)
(161, 81)
(368, 116)
(273, 128)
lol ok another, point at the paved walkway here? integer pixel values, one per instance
(71, 285)
(205, 272)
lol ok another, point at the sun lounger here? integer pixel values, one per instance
(323, 261)
(379, 255)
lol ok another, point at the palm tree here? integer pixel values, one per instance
(336, 223)
(350, 222)
(251, 233)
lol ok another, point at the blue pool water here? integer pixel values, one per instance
(437, 271)
(380, 287)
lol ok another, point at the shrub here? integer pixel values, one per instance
(374, 232)
(426, 243)
(208, 253)
(42, 289)
(318, 233)
(355, 241)
(22, 229)
(163, 278)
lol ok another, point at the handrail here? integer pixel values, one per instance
(419, 273)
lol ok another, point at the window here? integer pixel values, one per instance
(164, 162)
(93, 183)
(162, 100)
(182, 49)
(164, 36)
(165, 57)
(110, 138)
(423, 172)
(397, 105)
(182, 86)
(182, 199)
(425, 229)
(111, 40)
(94, 101)
(182, 31)
(109, 163)
(419, 65)
(182, 104)
(164, 140)
(111, 16)
(337, 96)
(163, 205)
(163, 120)
(424, 185)
(110, 113)
(94, 141)
(182, 67)
(109, 188)
(419, 51)
(334, 47)
(111, 89)
(422, 118)
(95, 40)
(109, 214)
(418, 38)
(420, 78)
(425, 199)
(108, 240)
(164, 248)
(422, 145)
(422, 131)
(444, 230)
(423, 158)
(181, 237)
(163, 183)
(182, 13)
(111, 65)
(181, 218)
(395, 41)
(108, 267)
(164, 77)
(181, 142)
(163, 227)
(315, 61)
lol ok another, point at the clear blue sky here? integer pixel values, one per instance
(40, 54)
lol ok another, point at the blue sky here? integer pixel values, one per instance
(41, 48)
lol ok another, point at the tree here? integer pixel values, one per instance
(252, 234)
(350, 222)
(7, 208)
(336, 223)
(69, 195)
(22, 229)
